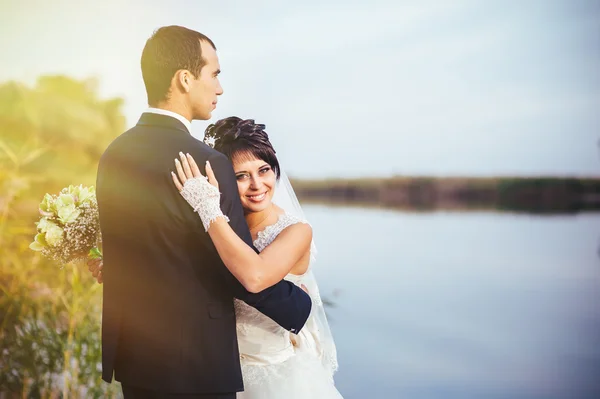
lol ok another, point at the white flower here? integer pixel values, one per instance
(64, 200)
(68, 227)
(86, 194)
(68, 214)
(42, 225)
(54, 234)
(46, 206)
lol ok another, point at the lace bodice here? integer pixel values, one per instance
(260, 339)
(271, 232)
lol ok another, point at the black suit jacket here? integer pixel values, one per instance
(168, 320)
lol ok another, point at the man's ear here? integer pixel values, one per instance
(183, 79)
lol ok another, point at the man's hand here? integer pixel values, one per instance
(95, 267)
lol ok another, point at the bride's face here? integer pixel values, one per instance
(256, 182)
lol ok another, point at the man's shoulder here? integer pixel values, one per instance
(199, 145)
(161, 137)
(119, 142)
(199, 148)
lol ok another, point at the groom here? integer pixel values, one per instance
(168, 321)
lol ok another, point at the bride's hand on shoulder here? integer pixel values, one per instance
(187, 169)
(201, 193)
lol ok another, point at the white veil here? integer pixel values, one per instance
(316, 334)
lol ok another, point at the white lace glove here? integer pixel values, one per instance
(204, 198)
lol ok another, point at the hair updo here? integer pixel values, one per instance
(234, 137)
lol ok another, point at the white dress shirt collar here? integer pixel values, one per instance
(172, 114)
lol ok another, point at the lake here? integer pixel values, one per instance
(461, 305)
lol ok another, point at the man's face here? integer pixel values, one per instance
(205, 89)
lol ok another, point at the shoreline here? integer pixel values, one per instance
(512, 194)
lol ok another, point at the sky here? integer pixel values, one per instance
(356, 88)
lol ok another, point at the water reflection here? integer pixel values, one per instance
(461, 305)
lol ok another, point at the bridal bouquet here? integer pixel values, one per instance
(69, 227)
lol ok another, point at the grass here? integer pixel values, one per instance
(49, 315)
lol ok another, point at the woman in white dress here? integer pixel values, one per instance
(275, 363)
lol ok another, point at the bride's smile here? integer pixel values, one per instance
(256, 182)
(257, 198)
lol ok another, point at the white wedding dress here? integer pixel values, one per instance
(277, 364)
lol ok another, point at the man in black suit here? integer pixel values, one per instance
(168, 327)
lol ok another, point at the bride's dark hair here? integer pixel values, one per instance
(235, 137)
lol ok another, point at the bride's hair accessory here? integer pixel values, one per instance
(236, 137)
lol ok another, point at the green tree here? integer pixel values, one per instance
(52, 135)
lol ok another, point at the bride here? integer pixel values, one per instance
(275, 363)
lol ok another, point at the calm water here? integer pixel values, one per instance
(461, 305)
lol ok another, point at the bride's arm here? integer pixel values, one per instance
(259, 271)
(255, 271)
